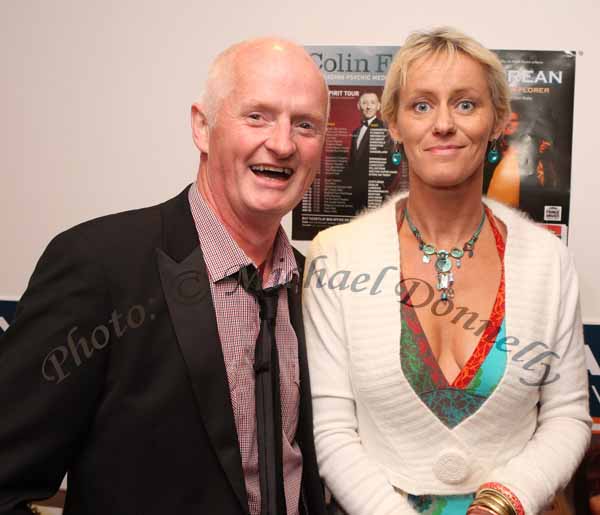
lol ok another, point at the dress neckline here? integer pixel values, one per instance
(487, 339)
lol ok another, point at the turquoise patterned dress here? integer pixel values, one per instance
(453, 402)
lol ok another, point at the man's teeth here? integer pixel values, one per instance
(272, 169)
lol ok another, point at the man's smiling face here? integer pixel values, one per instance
(265, 145)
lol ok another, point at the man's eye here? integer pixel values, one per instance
(466, 105)
(306, 125)
(422, 107)
(255, 116)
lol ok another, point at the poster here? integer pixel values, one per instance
(592, 350)
(533, 172)
(356, 166)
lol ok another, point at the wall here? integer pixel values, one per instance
(96, 96)
(96, 99)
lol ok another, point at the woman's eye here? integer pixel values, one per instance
(466, 105)
(421, 107)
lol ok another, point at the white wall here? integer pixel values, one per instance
(95, 99)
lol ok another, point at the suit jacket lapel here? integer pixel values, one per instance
(295, 308)
(311, 496)
(364, 143)
(186, 288)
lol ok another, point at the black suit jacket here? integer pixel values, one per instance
(358, 158)
(357, 170)
(113, 372)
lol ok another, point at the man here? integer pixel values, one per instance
(130, 364)
(361, 150)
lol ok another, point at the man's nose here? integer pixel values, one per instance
(281, 141)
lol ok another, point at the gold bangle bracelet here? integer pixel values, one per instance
(499, 496)
(494, 494)
(491, 503)
(486, 508)
(483, 508)
(496, 501)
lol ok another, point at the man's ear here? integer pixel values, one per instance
(200, 131)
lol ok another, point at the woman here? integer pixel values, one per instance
(445, 344)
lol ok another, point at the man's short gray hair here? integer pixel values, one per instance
(220, 80)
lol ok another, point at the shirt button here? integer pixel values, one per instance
(451, 467)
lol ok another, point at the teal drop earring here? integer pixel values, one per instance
(396, 155)
(493, 155)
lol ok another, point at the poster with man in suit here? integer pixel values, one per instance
(367, 148)
(356, 170)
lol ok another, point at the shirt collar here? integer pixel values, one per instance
(224, 257)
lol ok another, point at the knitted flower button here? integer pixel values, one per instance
(451, 467)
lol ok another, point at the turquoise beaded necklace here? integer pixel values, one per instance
(443, 263)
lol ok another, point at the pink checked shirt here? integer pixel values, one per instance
(238, 324)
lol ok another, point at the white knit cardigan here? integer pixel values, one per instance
(376, 439)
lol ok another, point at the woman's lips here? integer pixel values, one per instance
(444, 150)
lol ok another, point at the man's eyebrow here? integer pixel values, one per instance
(313, 116)
(251, 104)
(316, 116)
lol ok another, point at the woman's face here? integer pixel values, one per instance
(445, 119)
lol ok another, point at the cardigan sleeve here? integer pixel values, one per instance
(563, 433)
(356, 481)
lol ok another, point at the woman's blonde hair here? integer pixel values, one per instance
(444, 41)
